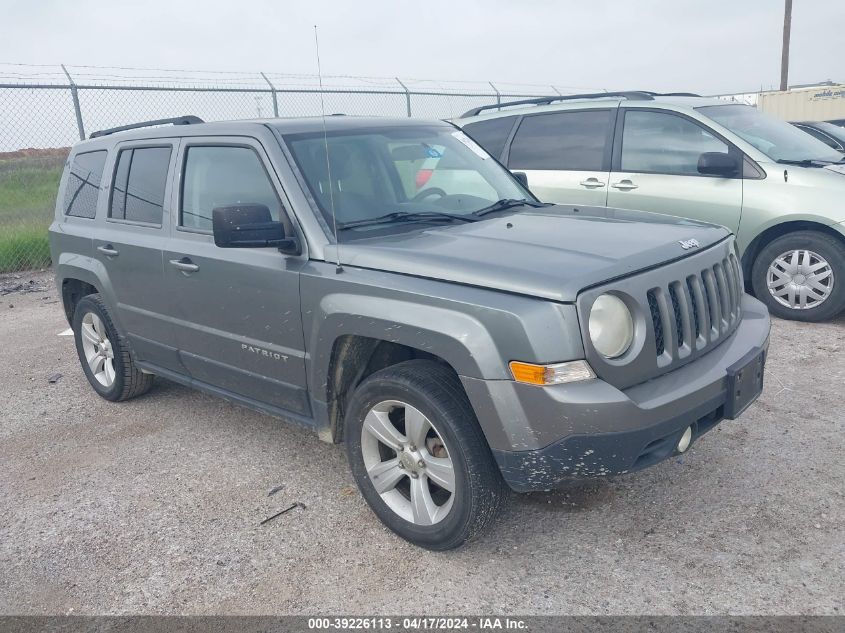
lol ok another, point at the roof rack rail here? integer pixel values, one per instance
(634, 95)
(181, 120)
(637, 95)
(673, 94)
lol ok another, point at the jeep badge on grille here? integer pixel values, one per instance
(688, 244)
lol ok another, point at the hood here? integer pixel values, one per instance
(550, 252)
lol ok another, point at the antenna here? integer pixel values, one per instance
(339, 268)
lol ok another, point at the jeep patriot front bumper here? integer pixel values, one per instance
(541, 436)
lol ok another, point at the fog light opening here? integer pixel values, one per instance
(685, 440)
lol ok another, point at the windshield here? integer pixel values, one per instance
(831, 130)
(401, 172)
(775, 138)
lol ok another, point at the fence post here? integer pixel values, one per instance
(498, 94)
(75, 95)
(407, 96)
(272, 92)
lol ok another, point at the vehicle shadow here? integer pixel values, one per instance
(571, 497)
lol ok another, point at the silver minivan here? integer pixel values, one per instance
(780, 190)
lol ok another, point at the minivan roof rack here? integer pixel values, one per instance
(181, 120)
(672, 94)
(633, 95)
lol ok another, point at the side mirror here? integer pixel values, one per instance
(249, 226)
(522, 177)
(718, 164)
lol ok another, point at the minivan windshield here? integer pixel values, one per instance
(831, 130)
(402, 176)
(777, 139)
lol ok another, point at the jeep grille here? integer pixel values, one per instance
(683, 309)
(697, 311)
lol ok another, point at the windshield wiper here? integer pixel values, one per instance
(809, 162)
(508, 203)
(407, 216)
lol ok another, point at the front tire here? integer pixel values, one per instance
(801, 276)
(419, 456)
(105, 356)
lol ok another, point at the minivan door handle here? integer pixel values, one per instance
(108, 250)
(624, 185)
(592, 182)
(185, 265)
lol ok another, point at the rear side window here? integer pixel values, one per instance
(139, 183)
(576, 140)
(222, 176)
(491, 134)
(83, 185)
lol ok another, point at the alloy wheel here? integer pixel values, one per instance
(99, 353)
(408, 462)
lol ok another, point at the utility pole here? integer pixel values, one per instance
(784, 58)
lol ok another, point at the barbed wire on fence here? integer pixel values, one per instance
(24, 73)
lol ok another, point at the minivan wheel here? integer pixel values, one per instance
(801, 276)
(419, 456)
(104, 355)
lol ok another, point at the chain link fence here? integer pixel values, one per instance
(46, 109)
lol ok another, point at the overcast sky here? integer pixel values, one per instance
(711, 46)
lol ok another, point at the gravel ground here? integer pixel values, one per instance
(153, 506)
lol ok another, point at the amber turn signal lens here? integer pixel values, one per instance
(525, 372)
(555, 374)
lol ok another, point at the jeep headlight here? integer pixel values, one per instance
(611, 326)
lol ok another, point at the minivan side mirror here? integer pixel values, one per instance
(718, 164)
(249, 226)
(522, 177)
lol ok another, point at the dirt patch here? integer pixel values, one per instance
(22, 284)
(52, 152)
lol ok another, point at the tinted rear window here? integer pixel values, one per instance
(491, 134)
(139, 184)
(83, 185)
(574, 140)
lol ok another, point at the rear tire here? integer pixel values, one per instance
(104, 355)
(804, 267)
(410, 428)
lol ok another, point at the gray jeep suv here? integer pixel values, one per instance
(390, 285)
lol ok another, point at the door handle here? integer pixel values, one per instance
(592, 182)
(108, 250)
(624, 185)
(185, 265)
